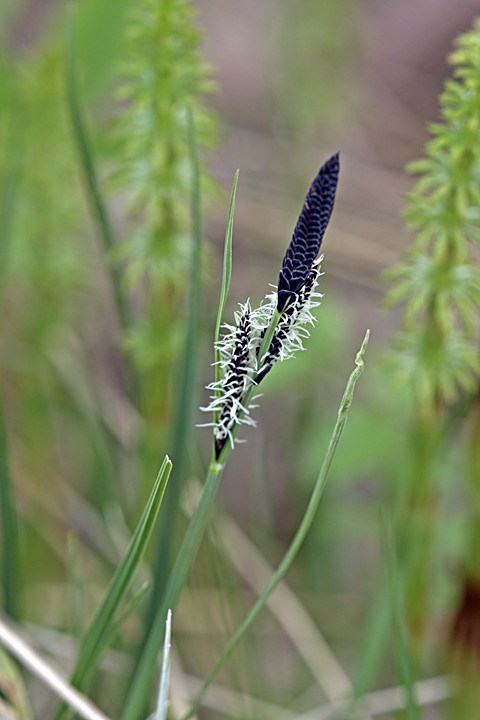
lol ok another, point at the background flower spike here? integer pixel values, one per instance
(308, 234)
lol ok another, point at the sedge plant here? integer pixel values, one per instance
(105, 625)
(244, 355)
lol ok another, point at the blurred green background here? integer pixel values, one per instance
(93, 316)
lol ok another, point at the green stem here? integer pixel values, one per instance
(139, 689)
(301, 532)
(99, 633)
(98, 208)
(226, 276)
(418, 521)
(9, 523)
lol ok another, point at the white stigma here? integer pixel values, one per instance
(239, 348)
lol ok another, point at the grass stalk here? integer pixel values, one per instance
(184, 397)
(95, 642)
(139, 692)
(97, 205)
(301, 532)
(226, 277)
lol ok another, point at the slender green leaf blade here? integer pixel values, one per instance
(95, 640)
(129, 610)
(185, 394)
(92, 644)
(97, 205)
(227, 273)
(139, 691)
(227, 258)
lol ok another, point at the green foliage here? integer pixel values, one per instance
(163, 78)
(436, 353)
(48, 204)
(76, 445)
(99, 635)
(101, 27)
(137, 696)
(47, 268)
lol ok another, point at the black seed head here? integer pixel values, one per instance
(308, 233)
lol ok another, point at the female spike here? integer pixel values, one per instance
(241, 366)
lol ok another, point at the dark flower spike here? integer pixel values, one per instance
(275, 330)
(308, 233)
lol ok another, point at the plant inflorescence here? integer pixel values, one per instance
(163, 82)
(436, 357)
(247, 353)
(437, 351)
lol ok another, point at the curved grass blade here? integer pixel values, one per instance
(162, 702)
(226, 276)
(96, 639)
(9, 519)
(99, 210)
(129, 610)
(301, 532)
(139, 691)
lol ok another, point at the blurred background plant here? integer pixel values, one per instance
(437, 355)
(99, 359)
